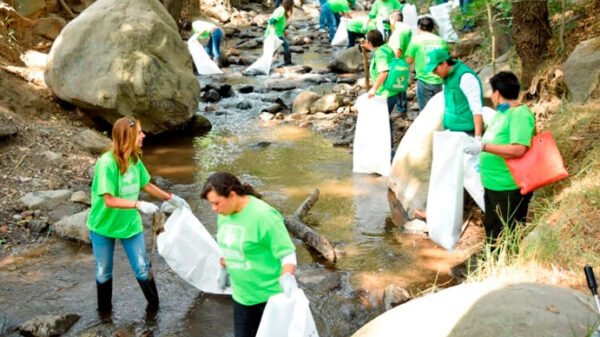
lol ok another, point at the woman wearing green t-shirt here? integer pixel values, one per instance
(277, 26)
(119, 176)
(257, 250)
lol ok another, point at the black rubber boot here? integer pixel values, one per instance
(104, 291)
(149, 288)
(287, 58)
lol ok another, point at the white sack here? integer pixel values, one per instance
(287, 317)
(445, 196)
(372, 139)
(472, 179)
(263, 64)
(441, 15)
(190, 251)
(341, 34)
(409, 12)
(204, 65)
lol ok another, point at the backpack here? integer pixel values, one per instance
(397, 80)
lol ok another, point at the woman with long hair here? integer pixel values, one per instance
(118, 178)
(277, 25)
(257, 250)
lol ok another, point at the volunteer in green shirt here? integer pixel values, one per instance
(214, 34)
(277, 25)
(380, 12)
(119, 176)
(507, 136)
(428, 84)
(463, 93)
(357, 28)
(332, 10)
(257, 250)
(379, 68)
(399, 41)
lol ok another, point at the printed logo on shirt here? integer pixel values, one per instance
(129, 185)
(232, 240)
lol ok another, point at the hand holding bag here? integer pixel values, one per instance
(541, 165)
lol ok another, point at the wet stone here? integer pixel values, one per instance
(48, 325)
(319, 280)
(37, 225)
(244, 105)
(246, 89)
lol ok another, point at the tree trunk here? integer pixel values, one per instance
(531, 33)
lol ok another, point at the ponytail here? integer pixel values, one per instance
(223, 183)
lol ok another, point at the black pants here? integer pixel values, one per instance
(246, 318)
(503, 208)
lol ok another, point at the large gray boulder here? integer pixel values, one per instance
(326, 103)
(489, 309)
(74, 227)
(348, 60)
(303, 101)
(125, 57)
(582, 71)
(45, 199)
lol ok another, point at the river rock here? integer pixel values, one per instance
(199, 124)
(49, 27)
(273, 108)
(281, 85)
(81, 197)
(211, 96)
(109, 64)
(394, 295)
(248, 44)
(92, 141)
(297, 49)
(266, 116)
(48, 325)
(45, 199)
(51, 157)
(299, 69)
(319, 280)
(37, 225)
(326, 103)
(303, 101)
(74, 227)
(582, 71)
(245, 89)
(490, 309)
(349, 60)
(244, 105)
(7, 125)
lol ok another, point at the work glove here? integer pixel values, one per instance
(473, 148)
(223, 279)
(146, 207)
(178, 201)
(288, 283)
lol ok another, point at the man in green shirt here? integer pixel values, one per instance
(380, 12)
(428, 84)
(379, 68)
(399, 41)
(508, 136)
(357, 28)
(331, 11)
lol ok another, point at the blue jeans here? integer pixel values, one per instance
(104, 249)
(213, 48)
(402, 103)
(331, 19)
(321, 16)
(277, 3)
(425, 91)
(464, 8)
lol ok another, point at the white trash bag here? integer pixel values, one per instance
(191, 251)
(409, 12)
(372, 138)
(287, 317)
(445, 196)
(262, 66)
(472, 179)
(441, 15)
(204, 65)
(341, 34)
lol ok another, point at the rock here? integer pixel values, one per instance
(319, 280)
(199, 124)
(246, 89)
(349, 60)
(487, 72)
(281, 85)
(81, 197)
(49, 27)
(111, 73)
(30, 9)
(490, 309)
(212, 95)
(327, 103)
(267, 116)
(7, 125)
(225, 91)
(466, 47)
(37, 225)
(45, 199)
(210, 108)
(248, 44)
(74, 227)
(299, 69)
(51, 157)
(244, 105)
(394, 295)
(342, 88)
(303, 101)
(582, 71)
(92, 141)
(273, 108)
(347, 79)
(259, 145)
(48, 325)
(297, 49)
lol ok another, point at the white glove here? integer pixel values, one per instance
(288, 283)
(223, 279)
(478, 138)
(473, 148)
(178, 201)
(146, 207)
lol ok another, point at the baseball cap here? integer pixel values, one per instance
(434, 58)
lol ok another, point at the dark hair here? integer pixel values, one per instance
(426, 23)
(507, 84)
(375, 37)
(224, 183)
(397, 15)
(288, 6)
(451, 61)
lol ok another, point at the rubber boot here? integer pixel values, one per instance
(149, 288)
(104, 292)
(287, 58)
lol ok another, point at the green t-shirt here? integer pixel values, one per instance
(356, 25)
(380, 62)
(420, 45)
(116, 222)
(202, 28)
(253, 241)
(278, 17)
(400, 38)
(513, 126)
(338, 6)
(381, 10)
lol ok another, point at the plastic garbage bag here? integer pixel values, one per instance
(287, 317)
(204, 65)
(441, 15)
(409, 12)
(372, 139)
(445, 196)
(262, 66)
(191, 251)
(472, 179)
(341, 34)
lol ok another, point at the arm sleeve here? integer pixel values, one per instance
(106, 177)
(144, 175)
(374, 10)
(289, 259)
(411, 51)
(272, 21)
(381, 62)
(276, 235)
(522, 124)
(469, 85)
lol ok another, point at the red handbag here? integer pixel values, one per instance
(541, 165)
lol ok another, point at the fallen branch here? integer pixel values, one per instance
(308, 235)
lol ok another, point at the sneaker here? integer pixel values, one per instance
(322, 30)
